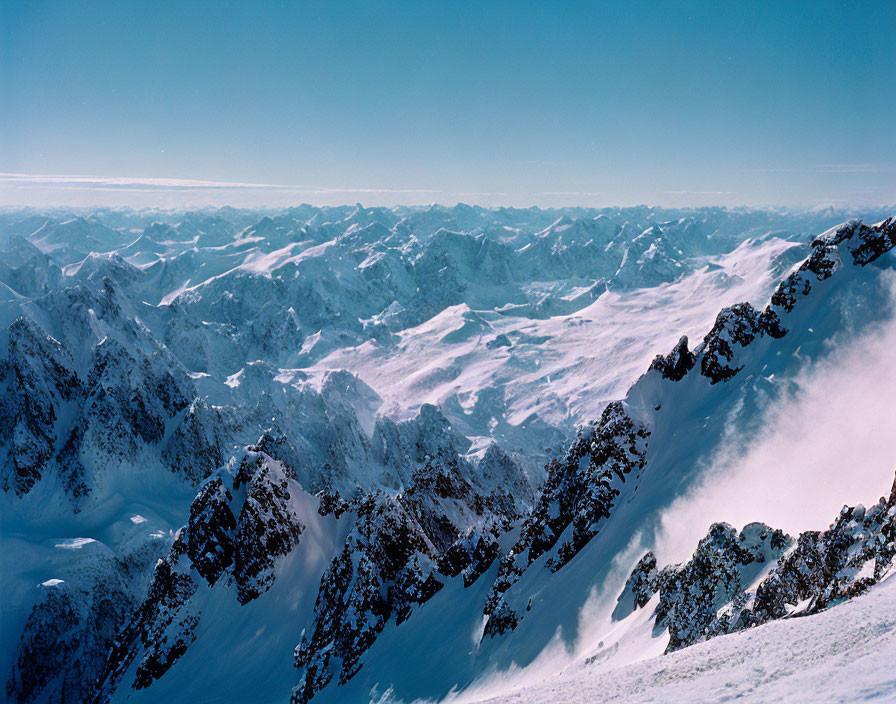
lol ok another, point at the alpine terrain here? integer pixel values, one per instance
(390, 455)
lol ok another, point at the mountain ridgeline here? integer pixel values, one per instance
(248, 524)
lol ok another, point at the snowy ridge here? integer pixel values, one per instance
(843, 654)
(534, 590)
(582, 490)
(311, 507)
(718, 592)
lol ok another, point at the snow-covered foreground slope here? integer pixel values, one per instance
(844, 654)
(294, 447)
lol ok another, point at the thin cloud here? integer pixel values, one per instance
(102, 183)
(828, 169)
(569, 193)
(697, 193)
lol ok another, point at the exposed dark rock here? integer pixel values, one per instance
(332, 503)
(39, 377)
(237, 533)
(211, 530)
(735, 326)
(70, 468)
(358, 592)
(865, 242)
(868, 243)
(642, 584)
(471, 555)
(830, 566)
(709, 595)
(194, 448)
(501, 620)
(69, 633)
(398, 555)
(725, 563)
(267, 527)
(161, 626)
(677, 363)
(580, 491)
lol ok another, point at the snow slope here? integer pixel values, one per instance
(561, 614)
(843, 654)
(401, 376)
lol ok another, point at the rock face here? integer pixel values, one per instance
(738, 326)
(385, 565)
(641, 584)
(865, 243)
(73, 625)
(267, 527)
(119, 404)
(103, 396)
(400, 552)
(241, 521)
(40, 380)
(576, 498)
(714, 593)
(580, 491)
(692, 597)
(830, 566)
(677, 363)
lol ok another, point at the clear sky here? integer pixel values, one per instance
(549, 103)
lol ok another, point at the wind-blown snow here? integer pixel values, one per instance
(828, 441)
(327, 332)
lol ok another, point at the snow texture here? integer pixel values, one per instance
(253, 456)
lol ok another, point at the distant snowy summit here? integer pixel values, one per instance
(206, 469)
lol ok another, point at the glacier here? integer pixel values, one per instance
(369, 454)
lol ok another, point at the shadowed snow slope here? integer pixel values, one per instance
(350, 454)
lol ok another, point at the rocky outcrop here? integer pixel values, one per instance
(211, 530)
(470, 555)
(865, 243)
(740, 325)
(385, 566)
(677, 363)
(194, 448)
(400, 552)
(693, 595)
(716, 591)
(735, 326)
(73, 625)
(827, 567)
(268, 525)
(240, 524)
(120, 404)
(65, 641)
(40, 381)
(641, 585)
(580, 492)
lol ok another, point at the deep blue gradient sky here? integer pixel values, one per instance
(503, 102)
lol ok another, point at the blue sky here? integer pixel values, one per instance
(519, 103)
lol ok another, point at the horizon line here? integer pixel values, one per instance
(16, 182)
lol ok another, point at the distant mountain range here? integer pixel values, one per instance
(366, 454)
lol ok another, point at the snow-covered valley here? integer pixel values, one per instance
(387, 455)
